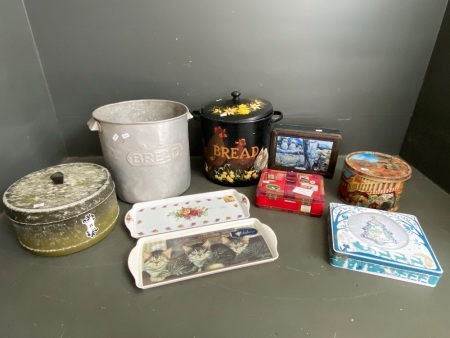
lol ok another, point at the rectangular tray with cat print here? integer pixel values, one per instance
(186, 212)
(382, 243)
(191, 253)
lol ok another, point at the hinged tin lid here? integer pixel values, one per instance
(378, 166)
(382, 238)
(238, 109)
(291, 185)
(57, 193)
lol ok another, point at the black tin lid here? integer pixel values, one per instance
(238, 109)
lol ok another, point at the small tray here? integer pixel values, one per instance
(185, 212)
(176, 256)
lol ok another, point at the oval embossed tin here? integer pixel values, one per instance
(373, 180)
(62, 209)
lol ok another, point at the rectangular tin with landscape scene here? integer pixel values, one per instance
(304, 149)
(180, 255)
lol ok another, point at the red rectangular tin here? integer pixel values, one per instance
(291, 192)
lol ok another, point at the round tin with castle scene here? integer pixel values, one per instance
(373, 180)
(62, 209)
(235, 137)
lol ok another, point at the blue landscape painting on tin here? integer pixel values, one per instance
(369, 157)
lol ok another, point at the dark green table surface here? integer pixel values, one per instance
(92, 293)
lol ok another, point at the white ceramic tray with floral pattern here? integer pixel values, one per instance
(179, 255)
(186, 212)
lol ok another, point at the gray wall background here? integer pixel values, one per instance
(355, 65)
(427, 141)
(30, 136)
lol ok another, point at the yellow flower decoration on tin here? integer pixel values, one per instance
(242, 109)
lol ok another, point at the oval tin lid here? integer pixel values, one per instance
(378, 166)
(57, 193)
(237, 109)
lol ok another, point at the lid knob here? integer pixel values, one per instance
(236, 95)
(58, 177)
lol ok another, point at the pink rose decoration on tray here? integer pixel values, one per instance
(188, 213)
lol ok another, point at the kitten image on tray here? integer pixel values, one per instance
(168, 258)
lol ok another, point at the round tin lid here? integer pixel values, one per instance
(378, 166)
(57, 193)
(237, 109)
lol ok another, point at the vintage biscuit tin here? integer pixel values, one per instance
(382, 243)
(374, 180)
(62, 209)
(291, 192)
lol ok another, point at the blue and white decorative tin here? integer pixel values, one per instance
(383, 243)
